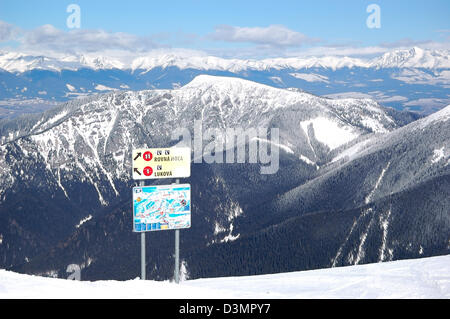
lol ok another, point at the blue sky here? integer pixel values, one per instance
(226, 27)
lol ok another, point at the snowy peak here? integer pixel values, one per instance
(328, 62)
(182, 62)
(439, 116)
(414, 58)
(210, 80)
(19, 62)
(228, 84)
(443, 114)
(99, 62)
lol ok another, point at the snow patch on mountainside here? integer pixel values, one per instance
(311, 77)
(234, 212)
(361, 252)
(283, 147)
(385, 252)
(329, 132)
(84, 220)
(308, 161)
(368, 199)
(438, 155)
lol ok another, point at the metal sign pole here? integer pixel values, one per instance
(177, 256)
(142, 183)
(142, 256)
(177, 250)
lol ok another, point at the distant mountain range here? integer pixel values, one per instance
(357, 183)
(414, 79)
(15, 62)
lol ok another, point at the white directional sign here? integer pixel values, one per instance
(156, 163)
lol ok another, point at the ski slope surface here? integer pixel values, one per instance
(418, 278)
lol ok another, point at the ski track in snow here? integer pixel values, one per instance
(305, 130)
(59, 183)
(278, 145)
(84, 220)
(384, 222)
(350, 257)
(339, 252)
(377, 184)
(361, 253)
(97, 160)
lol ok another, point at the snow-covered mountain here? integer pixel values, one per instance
(354, 183)
(413, 79)
(92, 138)
(412, 58)
(17, 62)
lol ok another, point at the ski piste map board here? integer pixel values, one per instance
(161, 207)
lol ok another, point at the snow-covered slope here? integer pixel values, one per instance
(419, 278)
(406, 157)
(374, 144)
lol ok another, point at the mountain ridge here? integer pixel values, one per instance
(406, 58)
(418, 79)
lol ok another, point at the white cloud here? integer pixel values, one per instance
(7, 31)
(254, 52)
(47, 37)
(405, 43)
(265, 42)
(273, 35)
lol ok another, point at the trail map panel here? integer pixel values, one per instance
(161, 207)
(156, 163)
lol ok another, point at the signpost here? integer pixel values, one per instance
(161, 207)
(157, 163)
